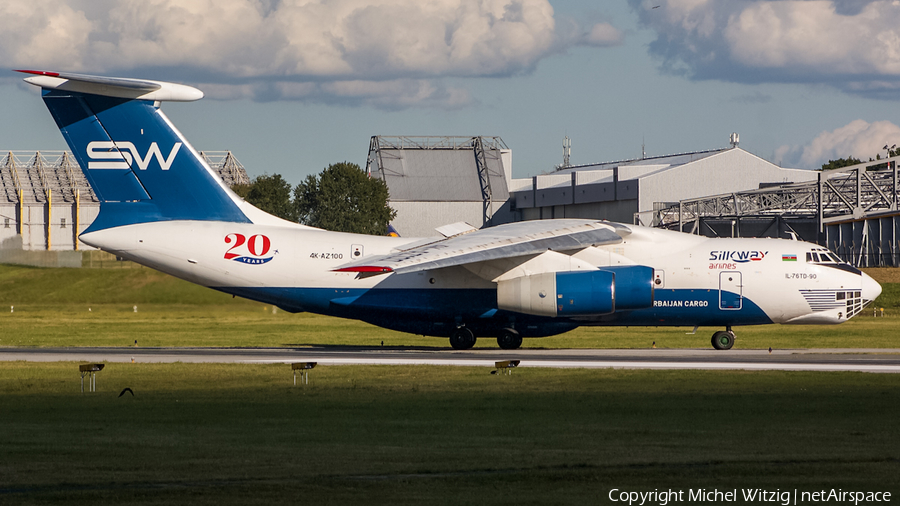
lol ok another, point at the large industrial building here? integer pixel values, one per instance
(629, 191)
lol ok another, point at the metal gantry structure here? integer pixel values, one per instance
(31, 182)
(37, 176)
(484, 180)
(854, 211)
(226, 166)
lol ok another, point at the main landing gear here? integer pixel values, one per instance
(723, 339)
(509, 339)
(462, 338)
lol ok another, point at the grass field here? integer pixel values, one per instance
(242, 434)
(95, 307)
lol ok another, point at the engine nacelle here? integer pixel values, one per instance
(578, 293)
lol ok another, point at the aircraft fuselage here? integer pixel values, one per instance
(697, 281)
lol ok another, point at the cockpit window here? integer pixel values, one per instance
(822, 257)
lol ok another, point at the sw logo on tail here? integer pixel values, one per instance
(124, 153)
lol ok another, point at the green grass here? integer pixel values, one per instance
(20, 285)
(95, 307)
(246, 325)
(242, 434)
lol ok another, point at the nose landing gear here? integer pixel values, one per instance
(723, 339)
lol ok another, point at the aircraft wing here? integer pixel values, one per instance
(503, 241)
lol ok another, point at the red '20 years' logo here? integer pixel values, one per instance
(249, 251)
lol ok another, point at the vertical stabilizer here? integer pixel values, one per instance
(139, 165)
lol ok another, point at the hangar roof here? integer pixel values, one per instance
(656, 162)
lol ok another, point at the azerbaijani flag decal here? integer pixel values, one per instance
(788, 258)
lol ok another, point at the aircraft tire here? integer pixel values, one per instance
(509, 339)
(723, 340)
(462, 339)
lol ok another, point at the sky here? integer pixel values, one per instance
(292, 85)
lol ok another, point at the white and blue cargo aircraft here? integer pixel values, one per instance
(163, 207)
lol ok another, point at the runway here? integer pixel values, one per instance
(861, 360)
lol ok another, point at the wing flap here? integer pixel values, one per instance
(503, 241)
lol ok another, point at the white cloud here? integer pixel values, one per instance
(42, 31)
(389, 95)
(859, 139)
(604, 34)
(298, 48)
(854, 46)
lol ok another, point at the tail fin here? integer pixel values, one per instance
(139, 165)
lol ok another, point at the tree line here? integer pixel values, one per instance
(341, 198)
(850, 160)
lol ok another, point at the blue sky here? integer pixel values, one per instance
(293, 86)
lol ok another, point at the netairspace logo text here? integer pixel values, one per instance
(747, 495)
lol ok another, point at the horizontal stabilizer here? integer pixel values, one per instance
(118, 87)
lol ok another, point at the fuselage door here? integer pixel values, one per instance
(730, 290)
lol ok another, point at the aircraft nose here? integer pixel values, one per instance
(870, 288)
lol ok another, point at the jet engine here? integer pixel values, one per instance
(578, 293)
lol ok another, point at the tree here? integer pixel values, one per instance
(344, 198)
(840, 162)
(850, 160)
(272, 194)
(242, 190)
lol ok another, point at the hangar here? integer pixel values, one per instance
(630, 191)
